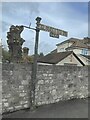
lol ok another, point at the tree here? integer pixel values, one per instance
(5, 55)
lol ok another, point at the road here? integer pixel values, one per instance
(77, 108)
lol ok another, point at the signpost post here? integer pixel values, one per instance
(34, 67)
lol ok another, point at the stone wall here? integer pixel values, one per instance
(57, 83)
(54, 83)
(15, 86)
(0, 89)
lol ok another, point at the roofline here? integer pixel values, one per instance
(85, 56)
(64, 58)
(78, 59)
(76, 47)
(45, 62)
(75, 57)
(68, 40)
(69, 52)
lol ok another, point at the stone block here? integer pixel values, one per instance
(26, 105)
(21, 87)
(21, 102)
(46, 81)
(51, 81)
(10, 108)
(45, 74)
(4, 100)
(57, 100)
(6, 104)
(50, 74)
(53, 92)
(55, 97)
(18, 107)
(24, 82)
(22, 94)
(41, 82)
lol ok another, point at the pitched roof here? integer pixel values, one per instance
(54, 58)
(86, 40)
(69, 40)
(77, 43)
(87, 56)
(54, 51)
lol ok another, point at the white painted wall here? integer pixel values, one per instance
(43, 63)
(85, 60)
(89, 52)
(77, 51)
(70, 60)
(62, 47)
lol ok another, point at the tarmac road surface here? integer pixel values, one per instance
(76, 108)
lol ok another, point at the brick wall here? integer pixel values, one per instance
(54, 83)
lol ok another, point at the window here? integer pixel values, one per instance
(84, 51)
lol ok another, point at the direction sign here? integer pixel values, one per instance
(54, 35)
(53, 30)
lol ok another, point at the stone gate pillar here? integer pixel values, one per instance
(25, 54)
(15, 42)
(25, 51)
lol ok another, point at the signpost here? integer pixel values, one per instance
(53, 35)
(53, 32)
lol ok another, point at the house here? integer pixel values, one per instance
(61, 58)
(78, 46)
(70, 52)
(81, 47)
(85, 59)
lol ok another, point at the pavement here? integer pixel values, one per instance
(76, 108)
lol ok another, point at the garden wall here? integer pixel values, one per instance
(54, 83)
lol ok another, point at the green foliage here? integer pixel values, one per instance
(5, 55)
(27, 59)
(30, 59)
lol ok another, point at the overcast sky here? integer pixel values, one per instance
(70, 16)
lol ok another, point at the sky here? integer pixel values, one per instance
(68, 16)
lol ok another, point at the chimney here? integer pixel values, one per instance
(25, 51)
